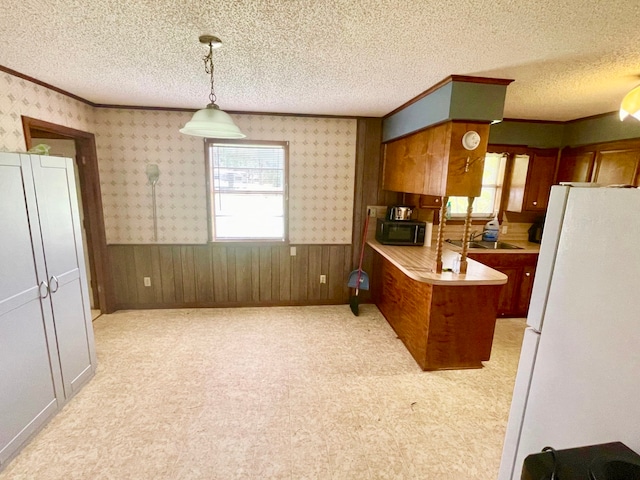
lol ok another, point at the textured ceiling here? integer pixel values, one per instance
(569, 59)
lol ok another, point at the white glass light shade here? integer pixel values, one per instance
(631, 104)
(211, 122)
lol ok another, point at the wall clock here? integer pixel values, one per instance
(471, 140)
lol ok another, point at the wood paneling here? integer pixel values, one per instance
(177, 275)
(520, 268)
(220, 282)
(617, 166)
(443, 327)
(231, 274)
(434, 162)
(203, 274)
(188, 274)
(220, 275)
(465, 169)
(368, 191)
(575, 167)
(406, 306)
(604, 163)
(243, 275)
(168, 279)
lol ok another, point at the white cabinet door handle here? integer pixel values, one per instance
(527, 274)
(535, 203)
(44, 285)
(51, 280)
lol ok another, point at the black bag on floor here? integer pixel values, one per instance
(607, 461)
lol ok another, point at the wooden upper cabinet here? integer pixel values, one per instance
(617, 166)
(464, 177)
(531, 178)
(434, 161)
(604, 163)
(575, 166)
(404, 163)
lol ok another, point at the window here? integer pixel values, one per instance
(488, 203)
(247, 185)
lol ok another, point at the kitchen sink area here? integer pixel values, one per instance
(485, 245)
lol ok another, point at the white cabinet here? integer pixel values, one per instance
(46, 339)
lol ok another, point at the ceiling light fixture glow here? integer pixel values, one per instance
(211, 122)
(631, 104)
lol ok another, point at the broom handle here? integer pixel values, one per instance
(364, 239)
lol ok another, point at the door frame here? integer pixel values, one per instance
(87, 163)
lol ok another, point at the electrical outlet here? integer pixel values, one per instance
(505, 229)
(378, 211)
(147, 281)
(292, 251)
(323, 279)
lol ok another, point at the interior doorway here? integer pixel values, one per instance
(69, 141)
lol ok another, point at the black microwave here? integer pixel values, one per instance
(400, 232)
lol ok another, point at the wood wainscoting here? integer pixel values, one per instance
(443, 327)
(217, 275)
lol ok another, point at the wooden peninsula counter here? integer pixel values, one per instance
(445, 320)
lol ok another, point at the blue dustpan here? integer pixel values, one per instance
(353, 280)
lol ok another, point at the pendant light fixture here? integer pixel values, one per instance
(211, 122)
(631, 104)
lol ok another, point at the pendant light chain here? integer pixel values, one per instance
(211, 122)
(208, 67)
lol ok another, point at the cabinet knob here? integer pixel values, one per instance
(535, 203)
(527, 274)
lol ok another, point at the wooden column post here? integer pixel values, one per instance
(465, 236)
(441, 225)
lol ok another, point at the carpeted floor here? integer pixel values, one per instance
(273, 393)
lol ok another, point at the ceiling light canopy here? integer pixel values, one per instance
(631, 104)
(211, 122)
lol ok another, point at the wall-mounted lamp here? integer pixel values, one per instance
(153, 174)
(631, 104)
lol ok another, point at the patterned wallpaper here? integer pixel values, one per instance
(129, 140)
(321, 165)
(21, 97)
(322, 159)
(321, 175)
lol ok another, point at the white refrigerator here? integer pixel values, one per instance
(578, 380)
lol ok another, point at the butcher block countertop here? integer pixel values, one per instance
(419, 263)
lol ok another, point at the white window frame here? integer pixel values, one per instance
(214, 189)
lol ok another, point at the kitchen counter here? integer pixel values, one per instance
(418, 263)
(445, 320)
(525, 247)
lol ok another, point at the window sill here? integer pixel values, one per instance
(250, 242)
(475, 221)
